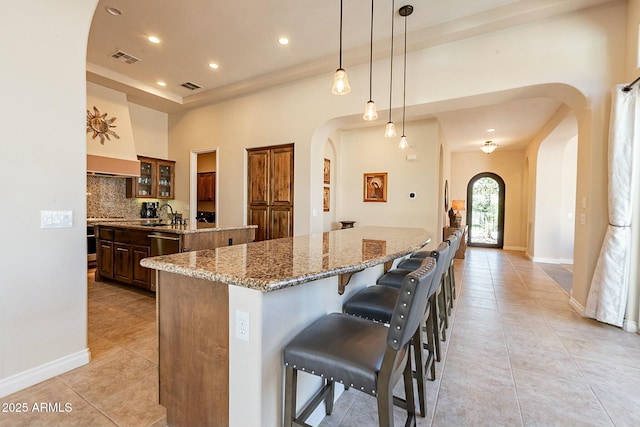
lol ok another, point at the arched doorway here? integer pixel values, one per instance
(485, 210)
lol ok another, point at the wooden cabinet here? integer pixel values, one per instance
(156, 179)
(104, 260)
(119, 249)
(207, 187)
(270, 191)
(119, 255)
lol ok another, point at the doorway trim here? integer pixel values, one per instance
(501, 197)
(193, 182)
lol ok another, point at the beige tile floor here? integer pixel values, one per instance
(119, 386)
(516, 355)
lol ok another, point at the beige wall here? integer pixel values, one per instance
(367, 151)
(506, 164)
(43, 292)
(150, 131)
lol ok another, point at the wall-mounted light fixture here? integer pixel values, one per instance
(340, 79)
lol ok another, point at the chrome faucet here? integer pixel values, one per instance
(173, 215)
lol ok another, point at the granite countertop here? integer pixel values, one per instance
(156, 225)
(275, 264)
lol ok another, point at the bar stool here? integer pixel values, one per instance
(376, 303)
(361, 354)
(454, 242)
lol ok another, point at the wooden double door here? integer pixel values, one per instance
(270, 191)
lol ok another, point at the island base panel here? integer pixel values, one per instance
(193, 348)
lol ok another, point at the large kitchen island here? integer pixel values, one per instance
(225, 314)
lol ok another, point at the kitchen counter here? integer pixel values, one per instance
(151, 225)
(225, 314)
(275, 264)
(120, 245)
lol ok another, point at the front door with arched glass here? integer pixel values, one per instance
(485, 210)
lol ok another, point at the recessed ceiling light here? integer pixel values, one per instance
(113, 11)
(283, 41)
(214, 66)
(153, 39)
(491, 130)
(161, 83)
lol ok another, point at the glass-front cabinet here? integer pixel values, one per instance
(166, 173)
(155, 180)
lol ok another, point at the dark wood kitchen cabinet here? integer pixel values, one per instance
(270, 191)
(120, 248)
(156, 179)
(119, 255)
(207, 187)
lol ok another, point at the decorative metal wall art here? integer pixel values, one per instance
(100, 125)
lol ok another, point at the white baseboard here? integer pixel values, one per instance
(576, 306)
(43, 372)
(552, 260)
(630, 325)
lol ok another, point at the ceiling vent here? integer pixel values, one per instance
(191, 86)
(124, 57)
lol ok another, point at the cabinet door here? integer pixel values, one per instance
(258, 165)
(281, 176)
(258, 215)
(206, 186)
(280, 222)
(141, 276)
(104, 259)
(144, 184)
(122, 262)
(166, 175)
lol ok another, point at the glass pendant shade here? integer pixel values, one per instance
(340, 83)
(489, 147)
(390, 130)
(403, 142)
(370, 112)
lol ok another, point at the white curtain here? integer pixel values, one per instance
(607, 298)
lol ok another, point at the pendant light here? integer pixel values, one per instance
(340, 80)
(390, 129)
(404, 11)
(370, 112)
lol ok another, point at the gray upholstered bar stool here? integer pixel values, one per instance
(376, 303)
(437, 321)
(454, 244)
(361, 354)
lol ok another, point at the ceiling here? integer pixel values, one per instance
(241, 36)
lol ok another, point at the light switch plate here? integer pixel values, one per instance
(56, 219)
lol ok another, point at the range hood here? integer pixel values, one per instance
(111, 150)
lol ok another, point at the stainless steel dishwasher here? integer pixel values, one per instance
(164, 243)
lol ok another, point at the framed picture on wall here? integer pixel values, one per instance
(326, 197)
(327, 171)
(375, 187)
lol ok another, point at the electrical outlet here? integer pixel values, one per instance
(243, 325)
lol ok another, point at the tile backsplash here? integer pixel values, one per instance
(106, 198)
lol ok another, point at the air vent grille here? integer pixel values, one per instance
(124, 57)
(191, 86)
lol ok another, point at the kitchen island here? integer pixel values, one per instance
(225, 314)
(121, 245)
